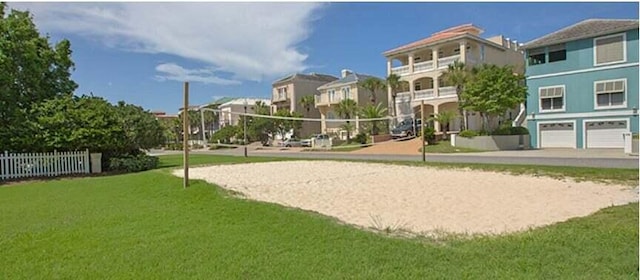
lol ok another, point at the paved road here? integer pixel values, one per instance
(563, 159)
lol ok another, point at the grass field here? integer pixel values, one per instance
(145, 225)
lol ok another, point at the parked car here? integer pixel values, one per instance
(291, 142)
(307, 142)
(406, 128)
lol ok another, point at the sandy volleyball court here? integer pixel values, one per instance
(417, 199)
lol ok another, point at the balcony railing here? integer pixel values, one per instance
(446, 61)
(447, 91)
(402, 97)
(423, 66)
(325, 99)
(280, 97)
(401, 70)
(425, 94)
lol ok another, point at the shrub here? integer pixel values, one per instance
(360, 138)
(429, 134)
(174, 146)
(196, 146)
(132, 163)
(468, 133)
(509, 130)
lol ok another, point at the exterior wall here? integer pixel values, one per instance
(501, 58)
(578, 74)
(306, 88)
(580, 56)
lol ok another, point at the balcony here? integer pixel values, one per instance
(446, 61)
(325, 99)
(280, 97)
(402, 97)
(425, 94)
(447, 91)
(401, 70)
(423, 66)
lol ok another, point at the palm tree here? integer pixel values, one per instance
(373, 112)
(372, 85)
(394, 83)
(346, 109)
(458, 75)
(307, 101)
(444, 118)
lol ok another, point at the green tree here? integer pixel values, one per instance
(283, 126)
(307, 102)
(372, 85)
(373, 112)
(142, 129)
(346, 109)
(31, 71)
(457, 75)
(394, 83)
(493, 90)
(444, 118)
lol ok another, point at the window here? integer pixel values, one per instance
(536, 56)
(417, 86)
(282, 93)
(609, 49)
(551, 99)
(332, 95)
(610, 94)
(557, 53)
(346, 93)
(417, 58)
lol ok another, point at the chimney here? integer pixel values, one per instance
(345, 72)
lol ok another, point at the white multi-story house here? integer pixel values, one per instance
(422, 64)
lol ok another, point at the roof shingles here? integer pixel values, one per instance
(581, 30)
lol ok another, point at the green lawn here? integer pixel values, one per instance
(145, 225)
(445, 147)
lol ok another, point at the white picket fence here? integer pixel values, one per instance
(23, 165)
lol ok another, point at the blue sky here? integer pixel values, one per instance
(140, 52)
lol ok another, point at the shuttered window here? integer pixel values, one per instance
(551, 98)
(610, 94)
(609, 49)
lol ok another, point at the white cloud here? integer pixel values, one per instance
(174, 72)
(252, 41)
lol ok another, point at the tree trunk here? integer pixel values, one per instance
(348, 133)
(465, 119)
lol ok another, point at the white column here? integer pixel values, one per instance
(323, 122)
(435, 58)
(463, 51)
(436, 87)
(436, 124)
(410, 63)
(388, 66)
(357, 124)
(411, 89)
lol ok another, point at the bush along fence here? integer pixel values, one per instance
(24, 165)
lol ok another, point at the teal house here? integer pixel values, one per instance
(583, 85)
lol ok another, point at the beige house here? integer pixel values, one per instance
(423, 62)
(288, 92)
(229, 111)
(347, 87)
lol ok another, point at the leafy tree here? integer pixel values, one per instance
(394, 83)
(282, 127)
(142, 129)
(346, 109)
(372, 85)
(72, 123)
(307, 102)
(31, 71)
(493, 90)
(258, 128)
(458, 75)
(225, 134)
(444, 118)
(373, 112)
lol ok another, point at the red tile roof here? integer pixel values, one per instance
(441, 35)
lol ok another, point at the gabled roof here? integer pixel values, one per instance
(449, 33)
(222, 100)
(349, 79)
(310, 77)
(582, 30)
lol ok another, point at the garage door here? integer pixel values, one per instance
(605, 134)
(557, 135)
